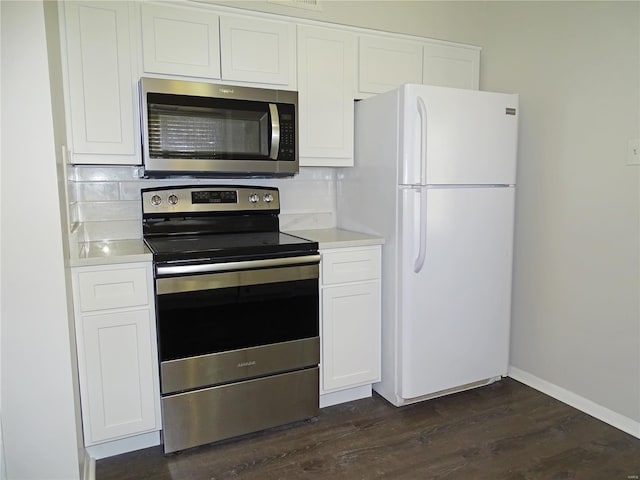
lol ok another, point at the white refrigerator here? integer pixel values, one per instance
(434, 174)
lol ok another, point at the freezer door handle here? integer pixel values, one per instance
(422, 241)
(422, 111)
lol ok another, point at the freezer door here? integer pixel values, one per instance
(453, 136)
(455, 309)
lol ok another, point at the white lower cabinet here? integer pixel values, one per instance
(117, 351)
(350, 323)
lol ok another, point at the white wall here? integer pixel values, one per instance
(38, 404)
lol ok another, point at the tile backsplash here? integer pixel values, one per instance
(104, 201)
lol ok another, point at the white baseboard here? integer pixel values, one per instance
(342, 396)
(626, 424)
(130, 444)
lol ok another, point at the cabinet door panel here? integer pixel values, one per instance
(118, 382)
(100, 82)
(326, 87)
(450, 66)
(255, 50)
(386, 63)
(180, 41)
(350, 335)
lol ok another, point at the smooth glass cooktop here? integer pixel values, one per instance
(168, 248)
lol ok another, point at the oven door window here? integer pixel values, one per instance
(208, 129)
(217, 320)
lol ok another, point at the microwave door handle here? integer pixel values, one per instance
(275, 131)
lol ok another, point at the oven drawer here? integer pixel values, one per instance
(224, 367)
(350, 265)
(212, 414)
(117, 288)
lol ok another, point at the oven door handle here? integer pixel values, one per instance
(163, 270)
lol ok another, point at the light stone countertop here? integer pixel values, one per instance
(338, 238)
(108, 252)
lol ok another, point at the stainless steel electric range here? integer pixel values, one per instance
(237, 313)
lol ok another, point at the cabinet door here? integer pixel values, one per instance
(326, 87)
(180, 41)
(100, 82)
(350, 335)
(116, 370)
(256, 50)
(386, 63)
(451, 66)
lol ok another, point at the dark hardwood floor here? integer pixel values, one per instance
(502, 431)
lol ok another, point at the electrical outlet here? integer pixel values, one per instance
(633, 152)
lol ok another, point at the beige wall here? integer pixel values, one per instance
(576, 65)
(576, 320)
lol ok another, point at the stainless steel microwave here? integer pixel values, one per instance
(215, 130)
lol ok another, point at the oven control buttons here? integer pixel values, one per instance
(172, 199)
(254, 198)
(268, 198)
(156, 200)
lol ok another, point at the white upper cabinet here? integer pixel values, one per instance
(451, 66)
(385, 63)
(180, 41)
(100, 93)
(326, 88)
(258, 51)
(106, 45)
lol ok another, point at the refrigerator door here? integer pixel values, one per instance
(455, 309)
(453, 136)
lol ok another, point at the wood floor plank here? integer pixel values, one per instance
(501, 431)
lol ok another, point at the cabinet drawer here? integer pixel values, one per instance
(350, 265)
(113, 289)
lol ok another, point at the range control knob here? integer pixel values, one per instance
(268, 198)
(172, 200)
(254, 198)
(156, 200)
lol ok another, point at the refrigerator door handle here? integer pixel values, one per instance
(422, 241)
(422, 111)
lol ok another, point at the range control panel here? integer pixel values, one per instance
(202, 199)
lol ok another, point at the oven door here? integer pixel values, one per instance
(227, 326)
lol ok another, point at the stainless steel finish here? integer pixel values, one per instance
(202, 89)
(251, 277)
(223, 168)
(275, 131)
(216, 368)
(212, 414)
(183, 200)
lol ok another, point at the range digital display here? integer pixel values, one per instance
(214, 196)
